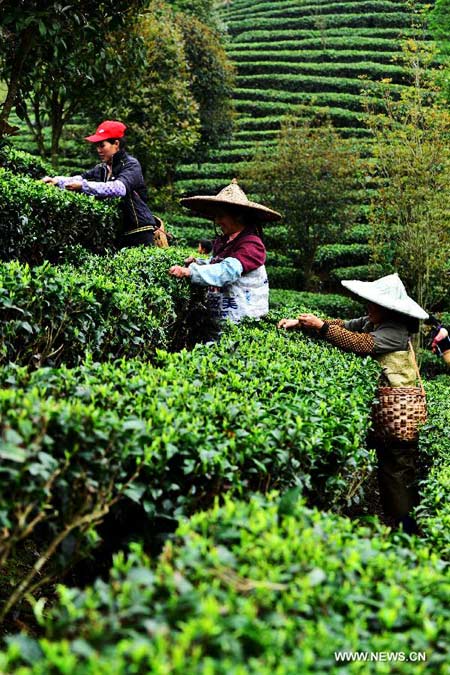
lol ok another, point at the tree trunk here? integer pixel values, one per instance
(57, 127)
(22, 51)
(39, 135)
(35, 126)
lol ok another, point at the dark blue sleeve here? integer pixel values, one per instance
(131, 175)
(93, 174)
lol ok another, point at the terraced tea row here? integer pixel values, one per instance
(301, 58)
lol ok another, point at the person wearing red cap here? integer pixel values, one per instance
(117, 175)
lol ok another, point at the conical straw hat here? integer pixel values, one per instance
(233, 195)
(388, 292)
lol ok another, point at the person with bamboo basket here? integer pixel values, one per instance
(385, 334)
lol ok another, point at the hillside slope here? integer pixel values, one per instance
(295, 53)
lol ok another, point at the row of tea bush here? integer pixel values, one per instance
(109, 306)
(259, 409)
(263, 586)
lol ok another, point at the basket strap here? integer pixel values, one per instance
(411, 349)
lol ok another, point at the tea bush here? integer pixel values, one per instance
(257, 587)
(259, 409)
(296, 55)
(307, 59)
(338, 255)
(113, 306)
(331, 305)
(350, 20)
(285, 277)
(21, 162)
(362, 272)
(434, 508)
(38, 222)
(341, 69)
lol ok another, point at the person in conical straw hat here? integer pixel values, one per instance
(385, 334)
(235, 274)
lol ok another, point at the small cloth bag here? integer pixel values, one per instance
(398, 412)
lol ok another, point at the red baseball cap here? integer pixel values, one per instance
(107, 129)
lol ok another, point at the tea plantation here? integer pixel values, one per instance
(171, 503)
(249, 582)
(304, 58)
(292, 55)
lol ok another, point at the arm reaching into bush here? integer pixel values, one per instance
(336, 332)
(111, 189)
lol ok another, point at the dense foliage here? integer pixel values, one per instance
(40, 223)
(306, 53)
(111, 433)
(163, 71)
(434, 509)
(329, 304)
(174, 435)
(19, 162)
(109, 307)
(229, 596)
(409, 213)
(211, 82)
(310, 178)
(55, 52)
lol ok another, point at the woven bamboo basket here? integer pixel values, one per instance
(398, 412)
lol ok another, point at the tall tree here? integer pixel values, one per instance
(410, 213)
(309, 176)
(211, 81)
(43, 34)
(157, 103)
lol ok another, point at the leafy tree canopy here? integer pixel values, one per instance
(309, 176)
(29, 28)
(411, 151)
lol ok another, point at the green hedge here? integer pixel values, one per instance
(286, 277)
(335, 255)
(357, 20)
(300, 83)
(38, 222)
(343, 100)
(286, 8)
(361, 272)
(124, 305)
(282, 36)
(434, 508)
(190, 236)
(75, 442)
(326, 304)
(342, 70)
(300, 54)
(21, 162)
(332, 41)
(260, 109)
(262, 587)
(358, 234)
(276, 259)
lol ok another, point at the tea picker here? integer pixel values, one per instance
(400, 407)
(235, 275)
(439, 340)
(118, 175)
